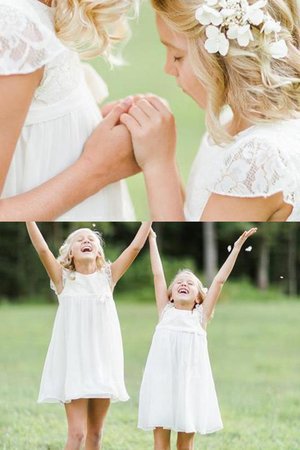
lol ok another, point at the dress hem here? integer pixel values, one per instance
(114, 399)
(213, 430)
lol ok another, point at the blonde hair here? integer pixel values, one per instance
(201, 289)
(258, 87)
(65, 258)
(91, 27)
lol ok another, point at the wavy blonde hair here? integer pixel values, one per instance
(92, 27)
(66, 260)
(258, 87)
(202, 291)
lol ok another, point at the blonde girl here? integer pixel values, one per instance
(84, 364)
(240, 61)
(177, 391)
(49, 109)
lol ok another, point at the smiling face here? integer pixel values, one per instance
(185, 290)
(84, 246)
(178, 64)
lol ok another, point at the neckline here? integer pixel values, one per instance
(86, 274)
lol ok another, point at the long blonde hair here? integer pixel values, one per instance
(258, 87)
(92, 27)
(65, 258)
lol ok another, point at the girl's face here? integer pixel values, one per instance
(185, 292)
(84, 246)
(178, 64)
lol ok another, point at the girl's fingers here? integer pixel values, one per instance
(148, 108)
(139, 115)
(130, 123)
(159, 104)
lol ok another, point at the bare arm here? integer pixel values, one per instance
(221, 277)
(124, 261)
(160, 285)
(107, 157)
(259, 209)
(47, 258)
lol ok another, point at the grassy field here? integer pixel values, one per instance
(144, 73)
(254, 351)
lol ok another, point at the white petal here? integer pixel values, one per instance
(212, 45)
(244, 39)
(256, 17)
(216, 18)
(232, 32)
(248, 249)
(202, 17)
(211, 2)
(212, 32)
(229, 248)
(223, 45)
(227, 12)
(259, 4)
(278, 49)
(271, 26)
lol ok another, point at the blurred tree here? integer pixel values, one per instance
(210, 252)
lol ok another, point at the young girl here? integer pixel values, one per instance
(242, 55)
(177, 391)
(49, 109)
(84, 364)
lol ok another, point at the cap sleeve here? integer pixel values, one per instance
(108, 273)
(65, 274)
(255, 167)
(26, 44)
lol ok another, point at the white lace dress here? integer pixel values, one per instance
(263, 160)
(178, 391)
(85, 355)
(63, 112)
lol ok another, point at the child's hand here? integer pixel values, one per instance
(152, 127)
(242, 239)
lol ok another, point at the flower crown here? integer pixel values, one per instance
(234, 19)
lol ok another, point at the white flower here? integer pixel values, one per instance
(207, 15)
(271, 26)
(243, 34)
(217, 41)
(254, 13)
(211, 2)
(278, 49)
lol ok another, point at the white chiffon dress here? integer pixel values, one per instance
(262, 160)
(177, 391)
(63, 112)
(85, 355)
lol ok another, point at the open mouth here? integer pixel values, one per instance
(183, 290)
(86, 248)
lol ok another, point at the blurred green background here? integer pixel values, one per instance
(144, 73)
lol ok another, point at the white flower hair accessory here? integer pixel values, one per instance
(227, 20)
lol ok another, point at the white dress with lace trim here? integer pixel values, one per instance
(85, 354)
(63, 112)
(262, 160)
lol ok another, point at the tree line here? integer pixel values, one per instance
(272, 256)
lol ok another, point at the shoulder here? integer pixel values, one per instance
(255, 164)
(27, 42)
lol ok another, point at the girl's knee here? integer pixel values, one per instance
(95, 436)
(77, 436)
(185, 446)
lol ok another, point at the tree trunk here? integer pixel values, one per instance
(210, 251)
(292, 261)
(263, 264)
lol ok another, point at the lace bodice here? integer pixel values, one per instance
(263, 160)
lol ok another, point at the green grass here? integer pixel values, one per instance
(254, 351)
(144, 73)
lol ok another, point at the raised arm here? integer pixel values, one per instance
(124, 261)
(221, 277)
(160, 285)
(47, 258)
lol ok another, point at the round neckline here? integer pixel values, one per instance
(86, 274)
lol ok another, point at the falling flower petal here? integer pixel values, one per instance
(281, 277)
(248, 249)
(229, 248)
(94, 225)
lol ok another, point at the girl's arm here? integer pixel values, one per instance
(153, 133)
(124, 261)
(53, 268)
(107, 157)
(160, 285)
(219, 280)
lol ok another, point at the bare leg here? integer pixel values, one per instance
(162, 439)
(97, 410)
(77, 422)
(185, 441)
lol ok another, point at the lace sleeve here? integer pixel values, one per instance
(65, 274)
(108, 273)
(25, 43)
(255, 168)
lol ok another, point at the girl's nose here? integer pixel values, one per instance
(170, 69)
